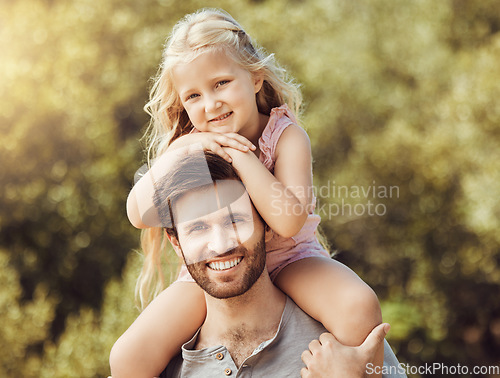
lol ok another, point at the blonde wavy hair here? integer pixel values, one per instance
(195, 34)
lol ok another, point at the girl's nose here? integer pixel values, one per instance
(212, 104)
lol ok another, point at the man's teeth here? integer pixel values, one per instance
(223, 265)
(222, 117)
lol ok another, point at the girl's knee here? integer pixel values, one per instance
(364, 302)
(357, 313)
(359, 308)
(368, 304)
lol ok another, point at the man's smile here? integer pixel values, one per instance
(224, 265)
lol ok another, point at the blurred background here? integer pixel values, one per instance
(402, 108)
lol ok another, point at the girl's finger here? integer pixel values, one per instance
(217, 149)
(226, 141)
(240, 139)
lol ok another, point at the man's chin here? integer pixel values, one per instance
(236, 280)
(222, 293)
(221, 286)
(224, 286)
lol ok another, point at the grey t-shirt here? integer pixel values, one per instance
(277, 357)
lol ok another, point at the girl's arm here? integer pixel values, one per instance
(184, 145)
(282, 199)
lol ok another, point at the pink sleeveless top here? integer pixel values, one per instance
(283, 251)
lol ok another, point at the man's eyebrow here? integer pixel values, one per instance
(193, 223)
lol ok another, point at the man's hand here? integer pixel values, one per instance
(328, 358)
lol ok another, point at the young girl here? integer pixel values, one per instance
(215, 88)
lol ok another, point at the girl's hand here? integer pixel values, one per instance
(215, 142)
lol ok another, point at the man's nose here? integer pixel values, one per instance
(222, 239)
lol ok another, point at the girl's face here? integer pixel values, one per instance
(218, 94)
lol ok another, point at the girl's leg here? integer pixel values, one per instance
(157, 335)
(334, 295)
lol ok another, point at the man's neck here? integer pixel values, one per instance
(242, 323)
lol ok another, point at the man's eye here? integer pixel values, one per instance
(236, 220)
(197, 228)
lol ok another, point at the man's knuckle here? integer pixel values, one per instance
(328, 344)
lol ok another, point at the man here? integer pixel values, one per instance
(251, 327)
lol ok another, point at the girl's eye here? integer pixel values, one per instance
(191, 96)
(220, 83)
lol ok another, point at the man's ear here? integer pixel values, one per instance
(268, 233)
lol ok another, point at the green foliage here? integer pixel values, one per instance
(24, 325)
(410, 110)
(397, 95)
(66, 160)
(83, 349)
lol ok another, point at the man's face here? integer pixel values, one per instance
(221, 238)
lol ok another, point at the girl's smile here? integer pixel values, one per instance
(219, 95)
(221, 118)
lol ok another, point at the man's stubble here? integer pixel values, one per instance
(255, 261)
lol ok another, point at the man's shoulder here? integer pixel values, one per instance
(296, 322)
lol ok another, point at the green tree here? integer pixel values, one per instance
(412, 104)
(24, 325)
(66, 120)
(83, 349)
(397, 94)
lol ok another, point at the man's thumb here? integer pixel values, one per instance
(376, 337)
